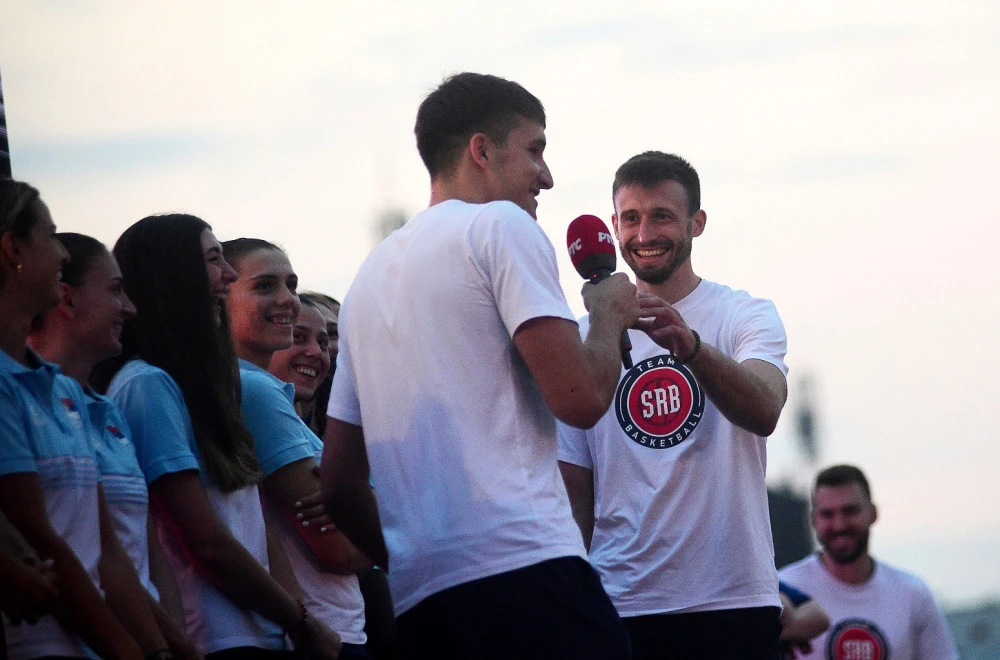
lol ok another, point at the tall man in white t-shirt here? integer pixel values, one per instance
(876, 611)
(457, 354)
(668, 487)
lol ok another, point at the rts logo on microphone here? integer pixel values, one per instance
(577, 245)
(659, 403)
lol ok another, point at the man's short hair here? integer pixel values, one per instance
(651, 168)
(843, 475)
(466, 104)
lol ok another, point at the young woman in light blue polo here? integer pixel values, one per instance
(178, 384)
(48, 472)
(83, 330)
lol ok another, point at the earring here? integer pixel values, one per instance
(20, 267)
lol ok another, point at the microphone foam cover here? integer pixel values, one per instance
(591, 245)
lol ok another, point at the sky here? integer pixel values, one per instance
(847, 151)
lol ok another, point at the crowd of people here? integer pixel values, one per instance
(199, 461)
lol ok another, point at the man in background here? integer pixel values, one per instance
(876, 611)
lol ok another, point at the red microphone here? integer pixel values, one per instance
(592, 251)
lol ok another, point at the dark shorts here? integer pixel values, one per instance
(554, 609)
(748, 634)
(354, 652)
(250, 653)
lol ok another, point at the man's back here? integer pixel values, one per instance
(461, 444)
(890, 615)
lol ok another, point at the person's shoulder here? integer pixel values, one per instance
(709, 290)
(801, 569)
(140, 375)
(503, 215)
(902, 578)
(261, 389)
(253, 377)
(139, 368)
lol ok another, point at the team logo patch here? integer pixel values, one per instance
(659, 403)
(856, 639)
(70, 407)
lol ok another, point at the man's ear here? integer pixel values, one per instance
(10, 247)
(479, 148)
(614, 227)
(698, 222)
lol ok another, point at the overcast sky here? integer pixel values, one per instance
(849, 156)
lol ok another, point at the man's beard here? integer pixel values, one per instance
(680, 254)
(858, 550)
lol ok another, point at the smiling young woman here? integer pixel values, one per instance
(263, 311)
(83, 330)
(306, 363)
(49, 481)
(180, 391)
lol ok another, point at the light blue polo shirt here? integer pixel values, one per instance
(124, 485)
(281, 438)
(154, 409)
(43, 430)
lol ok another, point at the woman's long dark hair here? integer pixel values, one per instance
(163, 266)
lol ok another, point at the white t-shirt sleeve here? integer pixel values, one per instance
(933, 639)
(760, 334)
(518, 263)
(344, 404)
(573, 446)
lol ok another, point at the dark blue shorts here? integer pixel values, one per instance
(554, 609)
(748, 634)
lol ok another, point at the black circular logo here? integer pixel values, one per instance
(659, 403)
(856, 639)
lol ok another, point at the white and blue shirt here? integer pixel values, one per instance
(124, 485)
(282, 438)
(43, 430)
(154, 409)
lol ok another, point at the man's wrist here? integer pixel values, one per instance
(697, 346)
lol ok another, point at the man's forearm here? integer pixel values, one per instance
(604, 356)
(750, 394)
(355, 513)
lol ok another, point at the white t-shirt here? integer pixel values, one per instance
(681, 518)
(461, 444)
(892, 615)
(164, 441)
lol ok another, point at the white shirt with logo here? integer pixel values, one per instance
(890, 616)
(681, 518)
(461, 444)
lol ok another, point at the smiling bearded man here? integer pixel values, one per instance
(876, 611)
(668, 487)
